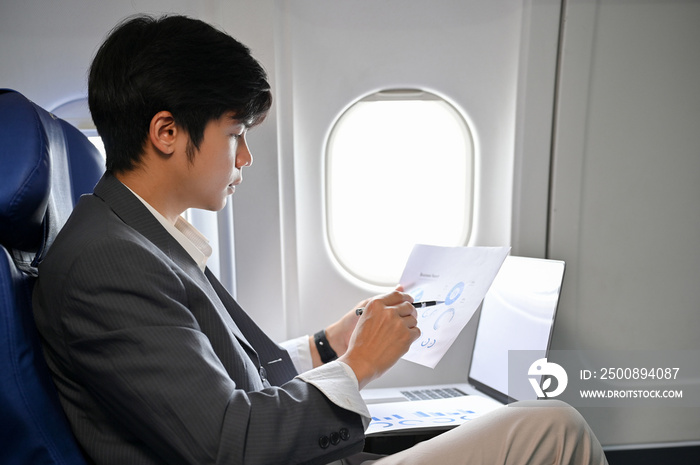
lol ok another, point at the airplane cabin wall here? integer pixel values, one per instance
(621, 122)
(625, 205)
(336, 53)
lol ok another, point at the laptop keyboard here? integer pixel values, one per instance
(427, 394)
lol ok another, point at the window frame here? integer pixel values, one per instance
(397, 94)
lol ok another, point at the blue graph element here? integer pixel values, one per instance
(438, 321)
(418, 296)
(454, 293)
(423, 417)
(387, 424)
(410, 422)
(428, 312)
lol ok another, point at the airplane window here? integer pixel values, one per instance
(77, 113)
(399, 171)
(97, 142)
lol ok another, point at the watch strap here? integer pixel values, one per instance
(324, 348)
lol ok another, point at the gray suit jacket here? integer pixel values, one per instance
(156, 363)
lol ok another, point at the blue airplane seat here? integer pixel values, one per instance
(45, 165)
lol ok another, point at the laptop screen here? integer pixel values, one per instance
(517, 314)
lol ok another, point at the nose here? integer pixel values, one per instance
(243, 155)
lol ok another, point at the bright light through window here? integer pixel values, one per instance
(399, 172)
(77, 113)
(97, 142)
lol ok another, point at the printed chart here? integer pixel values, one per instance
(429, 414)
(460, 276)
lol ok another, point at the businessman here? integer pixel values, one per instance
(155, 363)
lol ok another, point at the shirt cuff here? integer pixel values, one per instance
(300, 353)
(338, 383)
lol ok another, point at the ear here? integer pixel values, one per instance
(163, 132)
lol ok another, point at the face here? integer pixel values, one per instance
(217, 166)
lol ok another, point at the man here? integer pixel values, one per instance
(154, 361)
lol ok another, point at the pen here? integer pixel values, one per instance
(426, 303)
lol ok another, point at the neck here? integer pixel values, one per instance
(151, 188)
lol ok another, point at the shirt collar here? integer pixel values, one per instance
(193, 241)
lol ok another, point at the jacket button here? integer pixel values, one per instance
(263, 374)
(324, 442)
(344, 434)
(335, 438)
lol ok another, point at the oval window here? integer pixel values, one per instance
(399, 171)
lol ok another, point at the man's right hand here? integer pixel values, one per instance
(383, 334)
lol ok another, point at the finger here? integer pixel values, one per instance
(410, 321)
(416, 332)
(406, 309)
(395, 298)
(392, 298)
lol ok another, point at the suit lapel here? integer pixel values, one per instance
(135, 214)
(276, 363)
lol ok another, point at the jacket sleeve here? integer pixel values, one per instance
(136, 348)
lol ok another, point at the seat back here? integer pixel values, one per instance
(45, 165)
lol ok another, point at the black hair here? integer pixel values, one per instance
(176, 64)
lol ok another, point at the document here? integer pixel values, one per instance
(459, 276)
(427, 414)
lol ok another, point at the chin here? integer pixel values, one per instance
(222, 204)
(214, 206)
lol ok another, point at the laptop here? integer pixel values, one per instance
(517, 313)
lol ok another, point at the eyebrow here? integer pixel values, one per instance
(246, 124)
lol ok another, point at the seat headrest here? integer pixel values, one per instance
(39, 155)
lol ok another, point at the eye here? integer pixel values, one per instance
(237, 134)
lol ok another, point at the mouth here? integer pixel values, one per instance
(232, 187)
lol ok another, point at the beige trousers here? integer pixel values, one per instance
(530, 432)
